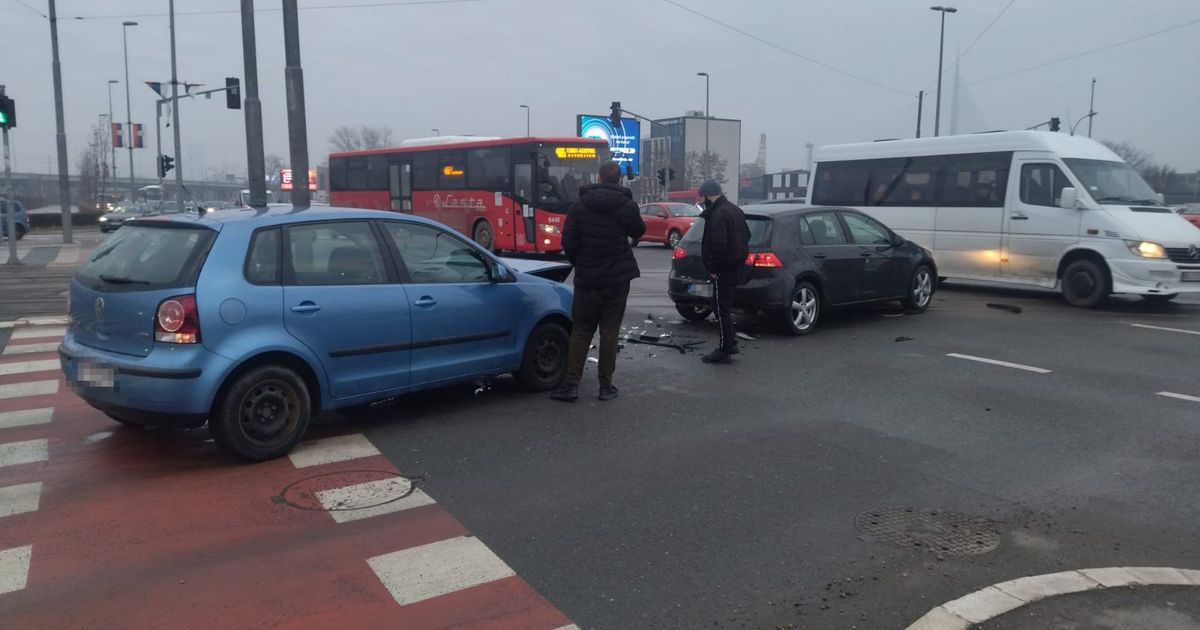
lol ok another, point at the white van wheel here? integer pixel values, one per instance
(1085, 284)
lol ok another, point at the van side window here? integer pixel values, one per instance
(1042, 184)
(977, 180)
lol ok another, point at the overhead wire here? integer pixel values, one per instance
(976, 40)
(783, 49)
(357, 5)
(1118, 44)
(22, 3)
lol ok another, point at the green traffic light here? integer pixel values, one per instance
(3, 118)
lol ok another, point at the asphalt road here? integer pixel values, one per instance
(744, 496)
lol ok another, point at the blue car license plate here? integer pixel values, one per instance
(95, 375)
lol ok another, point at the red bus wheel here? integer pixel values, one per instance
(483, 236)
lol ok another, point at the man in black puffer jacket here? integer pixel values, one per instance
(724, 248)
(596, 240)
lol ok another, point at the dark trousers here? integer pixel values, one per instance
(592, 308)
(723, 286)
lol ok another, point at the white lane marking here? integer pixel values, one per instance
(20, 499)
(28, 452)
(30, 348)
(439, 568)
(569, 627)
(22, 367)
(25, 417)
(32, 388)
(1018, 366)
(66, 256)
(35, 332)
(373, 498)
(330, 450)
(1180, 396)
(14, 568)
(1178, 330)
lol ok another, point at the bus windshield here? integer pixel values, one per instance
(562, 170)
(1112, 182)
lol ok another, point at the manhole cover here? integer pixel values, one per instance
(939, 532)
(345, 491)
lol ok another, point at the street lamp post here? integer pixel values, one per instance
(527, 132)
(128, 111)
(110, 123)
(937, 116)
(707, 158)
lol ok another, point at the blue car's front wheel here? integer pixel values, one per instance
(262, 414)
(545, 362)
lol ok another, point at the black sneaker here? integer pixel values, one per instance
(566, 393)
(717, 356)
(609, 392)
(732, 351)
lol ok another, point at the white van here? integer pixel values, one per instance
(1025, 207)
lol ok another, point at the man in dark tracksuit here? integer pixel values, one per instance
(724, 248)
(596, 240)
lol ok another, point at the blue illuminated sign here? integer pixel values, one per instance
(625, 142)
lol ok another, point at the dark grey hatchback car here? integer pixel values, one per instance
(805, 259)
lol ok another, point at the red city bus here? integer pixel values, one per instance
(507, 194)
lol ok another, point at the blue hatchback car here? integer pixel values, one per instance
(22, 219)
(254, 320)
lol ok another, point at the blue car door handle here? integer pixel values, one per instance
(306, 307)
(426, 301)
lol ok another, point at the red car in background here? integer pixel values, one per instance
(667, 222)
(1191, 212)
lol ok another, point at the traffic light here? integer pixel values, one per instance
(8, 112)
(233, 93)
(165, 164)
(671, 174)
(615, 116)
(662, 177)
(1054, 122)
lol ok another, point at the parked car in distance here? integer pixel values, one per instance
(253, 321)
(1191, 212)
(804, 260)
(667, 222)
(22, 219)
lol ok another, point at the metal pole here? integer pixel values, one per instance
(129, 112)
(1092, 107)
(256, 170)
(528, 133)
(297, 125)
(937, 117)
(158, 140)
(10, 202)
(110, 124)
(920, 105)
(64, 176)
(175, 118)
(809, 146)
(707, 155)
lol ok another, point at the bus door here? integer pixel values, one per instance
(526, 193)
(400, 186)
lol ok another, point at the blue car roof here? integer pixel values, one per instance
(276, 215)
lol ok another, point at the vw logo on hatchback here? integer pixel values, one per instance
(99, 307)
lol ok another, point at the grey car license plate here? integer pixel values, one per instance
(1191, 276)
(700, 290)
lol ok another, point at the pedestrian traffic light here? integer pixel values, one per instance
(615, 116)
(233, 93)
(165, 164)
(662, 177)
(8, 112)
(1054, 122)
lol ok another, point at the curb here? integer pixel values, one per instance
(36, 321)
(997, 599)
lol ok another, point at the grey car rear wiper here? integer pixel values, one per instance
(121, 280)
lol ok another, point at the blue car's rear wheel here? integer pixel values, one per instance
(262, 414)
(545, 362)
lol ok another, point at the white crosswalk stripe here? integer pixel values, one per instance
(25, 417)
(36, 332)
(14, 568)
(20, 499)
(25, 367)
(31, 388)
(373, 498)
(329, 450)
(29, 348)
(421, 573)
(27, 452)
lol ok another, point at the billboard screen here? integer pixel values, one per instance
(285, 179)
(624, 142)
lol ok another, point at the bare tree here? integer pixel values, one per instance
(1159, 176)
(274, 164)
(92, 167)
(347, 138)
(699, 166)
(1140, 160)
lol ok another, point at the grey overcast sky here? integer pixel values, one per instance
(466, 67)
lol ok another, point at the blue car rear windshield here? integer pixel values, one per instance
(141, 258)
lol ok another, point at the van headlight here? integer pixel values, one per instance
(104, 219)
(1147, 249)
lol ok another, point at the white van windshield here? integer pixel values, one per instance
(1112, 182)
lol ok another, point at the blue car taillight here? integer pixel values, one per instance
(177, 320)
